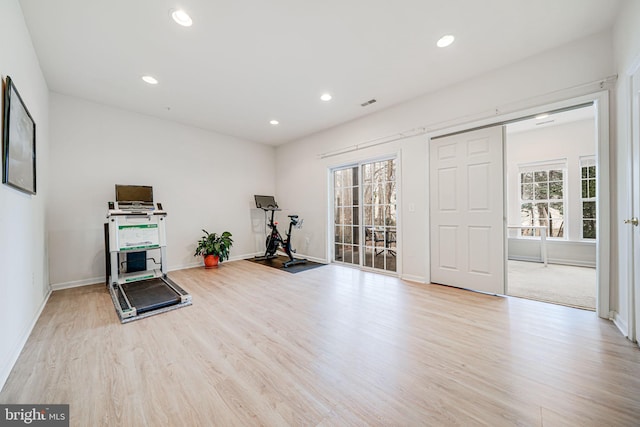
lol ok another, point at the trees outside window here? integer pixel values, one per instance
(365, 214)
(542, 200)
(588, 194)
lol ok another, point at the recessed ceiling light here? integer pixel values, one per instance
(274, 122)
(445, 40)
(151, 80)
(181, 17)
(326, 97)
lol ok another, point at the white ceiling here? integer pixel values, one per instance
(552, 119)
(245, 62)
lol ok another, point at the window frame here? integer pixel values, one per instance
(544, 167)
(587, 162)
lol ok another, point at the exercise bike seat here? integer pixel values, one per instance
(293, 216)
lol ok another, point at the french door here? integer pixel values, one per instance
(365, 215)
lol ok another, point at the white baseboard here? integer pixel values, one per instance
(412, 278)
(77, 283)
(196, 263)
(620, 323)
(6, 370)
(554, 261)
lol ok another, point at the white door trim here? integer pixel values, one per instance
(634, 209)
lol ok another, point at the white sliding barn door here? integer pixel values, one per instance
(467, 210)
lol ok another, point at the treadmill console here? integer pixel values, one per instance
(134, 200)
(135, 208)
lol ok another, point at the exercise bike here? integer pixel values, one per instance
(274, 239)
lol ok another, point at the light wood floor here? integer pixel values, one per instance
(331, 346)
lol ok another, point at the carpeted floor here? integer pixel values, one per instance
(279, 264)
(559, 284)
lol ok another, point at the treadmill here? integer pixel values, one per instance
(138, 283)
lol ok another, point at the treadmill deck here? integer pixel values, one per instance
(144, 298)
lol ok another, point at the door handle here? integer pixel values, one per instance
(633, 221)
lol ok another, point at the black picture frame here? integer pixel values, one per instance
(18, 142)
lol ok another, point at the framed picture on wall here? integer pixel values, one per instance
(18, 142)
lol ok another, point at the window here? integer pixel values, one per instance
(588, 181)
(542, 199)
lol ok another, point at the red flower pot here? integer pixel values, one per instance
(211, 261)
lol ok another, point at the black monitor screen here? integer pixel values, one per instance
(134, 193)
(265, 202)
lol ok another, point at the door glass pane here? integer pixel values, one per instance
(356, 254)
(391, 170)
(368, 257)
(346, 213)
(348, 234)
(374, 205)
(367, 174)
(367, 194)
(368, 215)
(390, 260)
(378, 260)
(378, 219)
(380, 215)
(346, 254)
(347, 198)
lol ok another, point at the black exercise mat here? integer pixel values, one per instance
(279, 264)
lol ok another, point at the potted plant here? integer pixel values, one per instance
(214, 248)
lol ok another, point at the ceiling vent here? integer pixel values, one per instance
(369, 102)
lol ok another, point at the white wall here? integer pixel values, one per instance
(24, 279)
(569, 142)
(203, 179)
(302, 183)
(626, 37)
